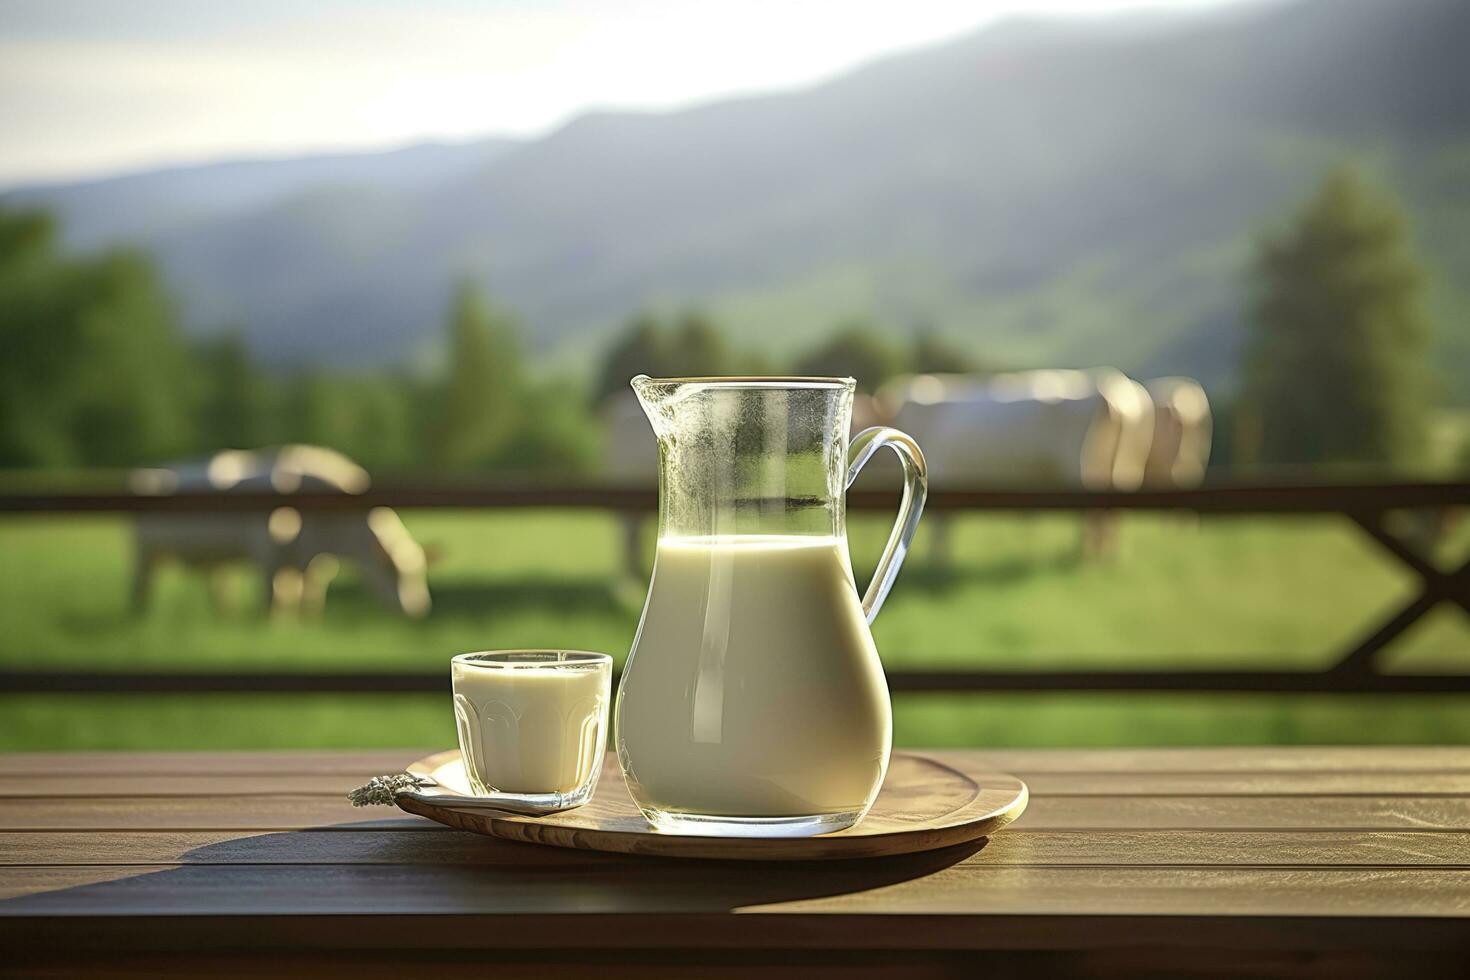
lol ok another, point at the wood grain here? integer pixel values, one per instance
(1375, 784)
(783, 964)
(1251, 759)
(1015, 847)
(354, 763)
(1022, 762)
(1342, 783)
(870, 888)
(1042, 813)
(1177, 943)
(145, 812)
(1247, 813)
(924, 805)
(1278, 783)
(1341, 861)
(56, 786)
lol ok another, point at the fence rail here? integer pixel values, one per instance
(1353, 671)
(1224, 498)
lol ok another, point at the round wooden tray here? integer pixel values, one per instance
(925, 804)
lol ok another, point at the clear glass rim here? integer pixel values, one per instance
(752, 381)
(532, 659)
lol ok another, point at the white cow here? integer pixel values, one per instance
(296, 552)
(1131, 414)
(1089, 429)
(1045, 429)
(1183, 428)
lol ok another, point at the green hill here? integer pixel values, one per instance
(1059, 192)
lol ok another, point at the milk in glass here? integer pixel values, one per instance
(533, 729)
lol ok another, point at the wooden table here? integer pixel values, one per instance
(1318, 862)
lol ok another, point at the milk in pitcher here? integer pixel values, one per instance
(759, 692)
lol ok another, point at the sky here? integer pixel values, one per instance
(93, 87)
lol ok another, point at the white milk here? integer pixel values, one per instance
(754, 689)
(530, 730)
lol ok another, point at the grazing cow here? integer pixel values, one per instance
(1048, 428)
(295, 552)
(1131, 411)
(1183, 427)
(1131, 415)
(1031, 428)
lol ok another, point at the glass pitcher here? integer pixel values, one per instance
(753, 702)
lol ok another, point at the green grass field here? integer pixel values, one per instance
(1272, 593)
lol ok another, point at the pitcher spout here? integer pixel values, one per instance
(643, 386)
(653, 395)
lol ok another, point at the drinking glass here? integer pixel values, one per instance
(532, 724)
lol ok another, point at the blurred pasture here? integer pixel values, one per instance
(1265, 593)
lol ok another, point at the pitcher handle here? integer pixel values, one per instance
(865, 446)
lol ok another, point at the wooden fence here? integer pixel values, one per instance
(1353, 670)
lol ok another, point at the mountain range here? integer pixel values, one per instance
(1058, 192)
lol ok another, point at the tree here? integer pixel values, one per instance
(858, 351)
(641, 349)
(933, 354)
(136, 390)
(37, 336)
(237, 405)
(1336, 368)
(558, 438)
(694, 347)
(93, 369)
(367, 416)
(482, 401)
(697, 349)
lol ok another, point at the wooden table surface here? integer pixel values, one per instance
(1311, 861)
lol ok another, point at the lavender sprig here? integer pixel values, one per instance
(382, 790)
